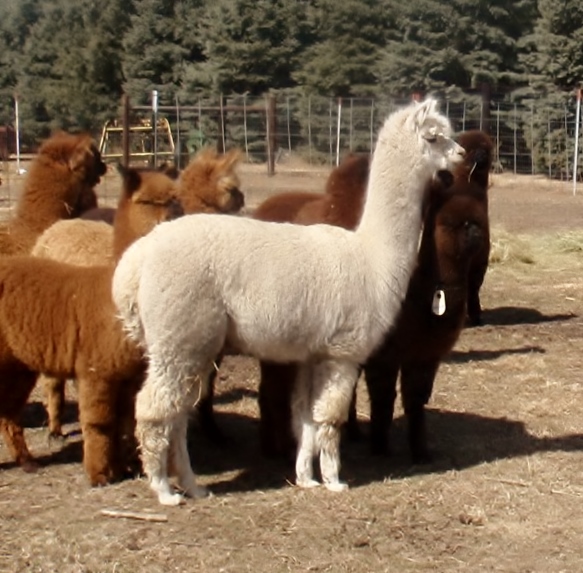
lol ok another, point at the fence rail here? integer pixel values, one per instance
(530, 137)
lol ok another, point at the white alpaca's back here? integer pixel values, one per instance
(296, 305)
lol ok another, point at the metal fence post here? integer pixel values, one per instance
(576, 152)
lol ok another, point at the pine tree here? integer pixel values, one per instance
(16, 18)
(462, 43)
(70, 71)
(249, 46)
(348, 37)
(156, 46)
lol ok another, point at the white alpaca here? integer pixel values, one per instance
(320, 295)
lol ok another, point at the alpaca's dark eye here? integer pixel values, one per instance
(431, 138)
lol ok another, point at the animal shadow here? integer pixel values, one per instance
(458, 440)
(461, 356)
(510, 315)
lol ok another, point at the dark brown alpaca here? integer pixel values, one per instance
(60, 319)
(455, 230)
(477, 170)
(59, 185)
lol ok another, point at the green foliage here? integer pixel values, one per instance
(69, 72)
(462, 43)
(154, 54)
(347, 38)
(249, 46)
(69, 62)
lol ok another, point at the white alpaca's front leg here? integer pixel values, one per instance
(328, 437)
(181, 459)
(333, 386)
(303, 427)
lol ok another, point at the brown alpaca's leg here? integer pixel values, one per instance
(97, 414)
(126, 446)
(14, 437)
(55, 404)
(13, 399)
(416, 387)
(205, 412)
(381, 375)
(476, 276)
(275, 424)
(352, 428)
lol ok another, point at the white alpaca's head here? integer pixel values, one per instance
(434, 135)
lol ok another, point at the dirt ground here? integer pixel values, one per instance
(504, 493)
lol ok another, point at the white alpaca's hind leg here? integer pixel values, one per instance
(154, 438)
(160, 407)
(333, 386)
(303, 427)
(179, 451)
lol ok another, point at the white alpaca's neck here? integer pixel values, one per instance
(391, 221)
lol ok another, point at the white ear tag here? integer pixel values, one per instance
(438, 305)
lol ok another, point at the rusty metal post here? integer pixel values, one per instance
(271, 135)
(125, 133)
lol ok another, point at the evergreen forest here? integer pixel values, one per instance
(70, 62)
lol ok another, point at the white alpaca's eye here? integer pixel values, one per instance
(431, 138)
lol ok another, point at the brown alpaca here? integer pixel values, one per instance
(107, 214)
(208, 184)
(455, 230)
(478, 168)
(341, 203)
(59, 185)
(60, 319)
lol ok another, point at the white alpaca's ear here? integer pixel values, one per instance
(423, 110)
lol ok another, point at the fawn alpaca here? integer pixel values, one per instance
(60, 319)
(326, 302)
(208, 184)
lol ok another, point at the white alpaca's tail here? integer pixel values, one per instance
(126, 281)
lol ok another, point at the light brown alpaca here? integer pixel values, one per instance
(209, 184)
(59, 185)
(60, 319)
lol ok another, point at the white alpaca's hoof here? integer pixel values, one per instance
(336, 486)
(173, 499)
(307, 483)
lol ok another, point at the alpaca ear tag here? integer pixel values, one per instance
(438, 304)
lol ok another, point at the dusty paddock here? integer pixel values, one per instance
(504, 493)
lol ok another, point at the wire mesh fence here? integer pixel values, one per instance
(530, 137)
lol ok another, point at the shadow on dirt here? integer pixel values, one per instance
(35, 414)
(462, 356)
(69, 452)
(460, 440)
(511, 315)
